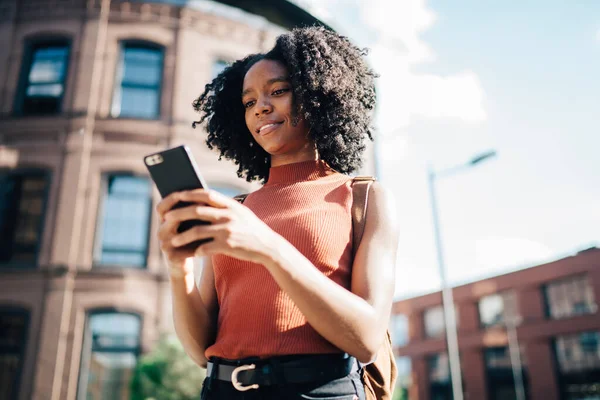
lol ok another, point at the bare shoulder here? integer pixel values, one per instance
(382, 204)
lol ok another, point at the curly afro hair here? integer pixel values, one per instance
(333, 89)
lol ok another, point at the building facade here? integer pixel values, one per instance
(88, 88)
(541, 324)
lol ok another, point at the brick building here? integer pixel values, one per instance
(88, 87)
(553, 312)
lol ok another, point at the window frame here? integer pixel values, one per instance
(31, 45)
(17, 310)
(98, 236)
(565, 280)
(87, 349)
(117, 93)
(47, 175)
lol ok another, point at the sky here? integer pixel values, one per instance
(461, 78)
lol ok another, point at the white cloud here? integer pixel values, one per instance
(393, 30)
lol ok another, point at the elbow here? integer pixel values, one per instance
(367, 351)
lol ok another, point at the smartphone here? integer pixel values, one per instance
(175, 170)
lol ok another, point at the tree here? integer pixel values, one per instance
(167, 373)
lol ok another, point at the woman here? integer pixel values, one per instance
(283, 310)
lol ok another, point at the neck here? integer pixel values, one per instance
(307, 153)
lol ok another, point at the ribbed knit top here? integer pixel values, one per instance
(309, 204)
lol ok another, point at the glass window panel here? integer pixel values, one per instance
(46, 70)
(49, 90)
(399, 329)
(139, 102)
(439, 368)
(491, 310)
(45, 80)
(112, 356)
(13, 334)
(126, 221)
(138, 93)
(22, 206)
(578, 353)
(570, 297)
(434, 321)
(496, 309)
(141, 74)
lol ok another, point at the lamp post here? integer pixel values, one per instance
(447, 296)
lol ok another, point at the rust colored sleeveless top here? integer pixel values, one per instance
(309, 204)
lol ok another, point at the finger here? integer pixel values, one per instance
(209, 197)
(198, 232)
(201, 212)
(207, 249)
(167, 203)
(167, 230)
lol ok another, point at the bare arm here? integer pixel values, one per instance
(195, 310)
(353, 321)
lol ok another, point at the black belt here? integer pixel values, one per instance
(251, 374)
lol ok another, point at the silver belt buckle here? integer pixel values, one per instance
(234, 378)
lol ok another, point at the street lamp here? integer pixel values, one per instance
(447, 297)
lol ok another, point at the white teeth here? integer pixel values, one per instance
(266, 126)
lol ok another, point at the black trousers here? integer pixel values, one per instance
(348, 387)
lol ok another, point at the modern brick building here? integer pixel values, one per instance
(88, 87)
(553, 312)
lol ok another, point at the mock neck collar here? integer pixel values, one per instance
(299, 172)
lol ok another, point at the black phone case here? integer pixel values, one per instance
(175, 170)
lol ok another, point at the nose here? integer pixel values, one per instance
(263, 106)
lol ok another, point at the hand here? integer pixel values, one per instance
(176, 257)
(235, 230)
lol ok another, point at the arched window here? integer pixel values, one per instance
(23, 196)
(44, 73)
(111, 347)
(139, 81)
(14, 324)
(124, 224)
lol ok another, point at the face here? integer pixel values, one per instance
(269, 109)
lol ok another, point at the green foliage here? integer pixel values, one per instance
(400, 393)
(167, 373)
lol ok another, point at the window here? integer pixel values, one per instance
(404, 377)
(440, 385)
(218, 67)
(13, 333)
(111, 348)
(578, 352)
(495, 309)
(137, 94)
(578, 358)
(499, 372)
(569, 298)
(22, 207)
(434, 321)
(43, 82)
(125, 221)
(399, 330)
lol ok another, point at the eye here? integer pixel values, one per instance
(249, 104)
(280, 91)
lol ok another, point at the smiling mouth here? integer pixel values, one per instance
(268, 128)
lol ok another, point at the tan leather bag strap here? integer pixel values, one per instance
(360, 199)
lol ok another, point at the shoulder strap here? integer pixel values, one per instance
(241, 197)
(360, 197)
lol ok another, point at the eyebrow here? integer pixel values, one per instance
(269, 82)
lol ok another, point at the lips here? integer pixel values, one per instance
(268, 128)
